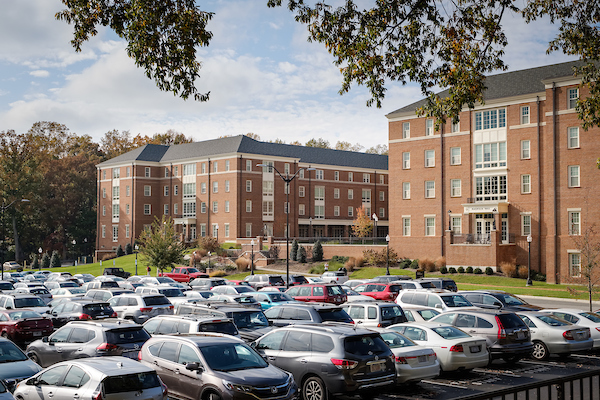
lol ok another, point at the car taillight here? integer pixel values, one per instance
(568, 335)
(344, 364)
(457, 348)
(84, 316)
(140, 355)
(97, 395)
(146, 309)
(501, 330)
(171, 307)
(113, 315)
(400, 360)
(107, 347)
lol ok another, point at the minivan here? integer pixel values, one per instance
(319, 292)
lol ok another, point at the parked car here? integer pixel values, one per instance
(161, 281)
(140, 307)
(116, 272)
(506, 334)
(6, 286)
(22, 300)
(39, 291)
(106, 294)
(352, 295)
(438, 299)
(339, 277)
(68, 293)
(95, 378)
(258, 281)
(379, 290)
(83, 278)
(389, 278)
(352, 283)
(419, 314)
(330, 359)
(442, 283)
(306, 313)
(281, 289)
(50, 285)
(16, 366)
(415, 284)
(5, 394)
(314, 279)
(207, 283)
(233, 289)
(581, 318)
(175, 295)
(215, 367)
(322, 293)
(497, 299)
(23, 326)
(379, 314)
(174, 324)
(552, 335)
(413, 362)
(295, 279)
(102, 284)
(81, 339)
(270, 299)
(455, 349)
(80, 310)
(8, 265)
(237, 300)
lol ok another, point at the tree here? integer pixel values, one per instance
(317, 252)
(45, 261)
(35, 262)
(294, 250)
(588, 245)
(320, 142)
(128, 249)
(115, 143)
(381, 149)
(55, 260)
(362, 226)
(301, 254)
(347, 146)
(209, 243)
(120, 252)
(160, 245)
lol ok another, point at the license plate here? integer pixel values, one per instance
(475, 349)
(422, 359)
(37, 333)
(520, 335)
(377, 367)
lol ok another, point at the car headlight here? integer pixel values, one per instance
(236, 387)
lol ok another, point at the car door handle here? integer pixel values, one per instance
(304, 361)
(472, 331)
(80, 349)
(58, 350)
(50, 394)
(177, 371)
(75, 396)
(271, 358)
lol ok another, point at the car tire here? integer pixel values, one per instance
(314, 389)
(35, 358)
(540, 351)
(5, 335)
(212, 396)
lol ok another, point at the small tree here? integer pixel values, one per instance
(209, 243)
(294, 251)
(128, 249)
(55, 260)
(362, 226)
(35, 263)
(301, 254)
(45, 261)
(120, 252)
(160, 245)
(317, 252)
(588, 245)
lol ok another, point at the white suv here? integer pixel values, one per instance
(439, 299)
(140, 308)
(339, 277)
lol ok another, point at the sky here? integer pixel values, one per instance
(264, 77)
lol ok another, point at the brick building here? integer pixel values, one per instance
(519, 165)
(216, 188)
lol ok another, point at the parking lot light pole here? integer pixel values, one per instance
(252, 257)
(40, 259)
(529, 240)
(4, 208)
(387, 259)
(287, 179)
(136, 253)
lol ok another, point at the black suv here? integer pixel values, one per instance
(77, 309)
(330, 359)
(306, 313)
(80, 339)
(116, 272)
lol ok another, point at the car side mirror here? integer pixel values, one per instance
(497, 304)
(439, 306)
(31, 382)
(45, 339)
(8, 307)
(194, 366)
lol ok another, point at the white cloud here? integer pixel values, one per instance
(40, 73)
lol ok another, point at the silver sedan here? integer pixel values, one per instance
(581, 317)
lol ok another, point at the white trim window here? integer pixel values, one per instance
(301, 209)
(350, 177)
(248, 165)
(226, 186)
(147, 190)
(248, 206)
(574, 176)
(103, 231)
(429, 127)
(166, 191)
(366, 178)
(575, 265)
(524, 115)
(166, 172)
(573, 140)
(455, 188)
(336, 211)
(128, 172)
(202, 187)
(203, 168)
(175, 190)
(215, 207)
(115, 233)
(405, 130)
(127, 230)
(490, 188)
(429, 226)
(525, 224)
(336, 193)
(103, 193)
(319, 174)
(115, 211)
(115, 193)
(248, 186)
(248, 229)
(202, 207)
(350, 211)
(226, 206)
(366, 195)
(215, 187)
(405, 190)
(350, 194)
(429, 158)
(147, 209)
(286, 168)
(525, 184)
(128, 191)
(319, 192)
(147, 172)
(226, 165)
(166, 209)
(490, 119)
(189, 169)
(226, 230)
(490, 155)
(381, 212)
(215, 166)
(455, 127)
(405, 226)
(572, 97)
(381, 195)
(455, 158)
(103, 211)
(336, 175)
(127, 209)
(406, 160)
(456, 223)
(116, 173)
(575, 223)
(301, 191)
(525, 149)
(175, 209)
(175, 171)
(189, 208)
(189, 190)
(429, 189)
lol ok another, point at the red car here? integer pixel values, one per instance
(379, 291)
(24, 326)
(319, 292)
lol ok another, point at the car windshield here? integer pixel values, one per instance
(165, 279)
(76, 290)
(172, 292)
(127, 335)
(365, 345)
(592, 316)
(392, 313)
(131, 382)
(192, 270)
(39, 291)
(23, 314)
(553, 321)
(9, 352)
(251, 320)
(245, 300)
(427, 285)
(396, 340)
(29, 302)
(450, 332)
(156, 300)
(280, 297)
(6, 286)
(97, 307)
(510, 300)
(231, 357)
(334, 290)
(244, 289)
(456, 300)
(220, 327)
(336, 315)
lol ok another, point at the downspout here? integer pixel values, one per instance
(239, 202)
(133, 206)
(554, 173)
(375, 210)
(443, 197)
(208, 203)
(539, 187)
(98, 227)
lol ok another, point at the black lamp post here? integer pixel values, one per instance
(387, 259)
(208, 260)
(74, 242)
(4, 208)
(40, 259)
(136, 253)
(287, 179)
(252, 257)
(449, 220)
(529, 240)
(375, 219)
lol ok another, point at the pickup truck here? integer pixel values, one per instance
(184, 274)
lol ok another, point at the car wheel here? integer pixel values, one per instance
(212, 396)
(5, 335)
(540, 351)
(35, 358)
(314, 389)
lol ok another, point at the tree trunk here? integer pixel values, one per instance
(18, 252)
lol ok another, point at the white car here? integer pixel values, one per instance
(419, 314)
(454, 348)
(581, 318)
(338, 277)
(68, 292)
(10, 265)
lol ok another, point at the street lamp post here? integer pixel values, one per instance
(40, 260)
(449, 220)
(217, 229)
(74, 242)
(529, 240)
(375, 219)
(310, 233)
(4, 208)
(287, 179)
(387, 259)
(136, 253)
(252, 257)
(208, 260)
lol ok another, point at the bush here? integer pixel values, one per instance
(509, 269)
(35, 262)
(55, 260)
(405, 263)
(414, 264)
(452, 270)
(469, 270)
(294, 251)
(128, 249)
(120, 252)
(317, 269)
(242, 264)
(339, 259)
(274, 252)
(477, 271)
(522, 271)
(209, 243)
(489, 271)
(301, 257)
(440, 262)
(317, 252)
(217, 274)
(443, 270)
(427, 264)
(538, 276)
(461, 270)
(46, 261)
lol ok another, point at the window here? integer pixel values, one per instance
(176, 190)
(301, 209)
(573, 138)
(268, 167)
(226, 230)
(202, 230)
(226, 206)
(115, 211)
(268, 188)
(319, 192)
(336, 211)
(406, 160)
(286, 206)
(189, 208)
(166, 191)
(147, 190)
(455, 188)
(350, 211)
(406, 226)
(103, 210)
(176, 171)
(202, 207)
(226, 165)
(525, 149)
(103, 231)
(381, 196)
(128, 172)
(429, 189)
(226, 186)
(127, 209)
(524, 115)
(429, 158)
(127, 191)
(366, 178)
(382, 179)
(575, 223)
(301, 174)
(215, 166)
(575, 265)
(490, 119)
(455, 127)
(490, 188)
(525, 224)
(525, 183)
(175, 208)
(126, 230)
(189, 169)
(366, 196)
(573, 95)
(248, 229)
(574, 176)
(267, 208)
(429, 226)
(381, 212)
(248, 206)
(490, 155)
(103, 193)
(248, 186)
(406, 190)
(301, 191)
(456, 225)
(189, 190)
(166, 172)
(350, 194)
(248, 165)
(202, 187)
(215, 187)
(429, 127)
(116, 173)
(286, 169)
(147, 172)
(455, 156)
(336, 193)
(115, 194)
(350, 176)
(147, 209)
(203, 168)
(104, 174)
(405, 130)
(319, 174)
(215, 207)
(166, 209)
(336, 175)
(319, 211)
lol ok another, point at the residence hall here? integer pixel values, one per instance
(217, 188)
(518, 166)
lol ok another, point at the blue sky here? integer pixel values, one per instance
(263, 75)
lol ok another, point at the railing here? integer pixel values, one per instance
(335, 240)
(473, 238)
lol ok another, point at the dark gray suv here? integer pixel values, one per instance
(330, 359)
(306, 313)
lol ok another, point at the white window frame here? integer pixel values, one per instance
(429, 158)
(127, 191)
(574, 176)
(319, 174)
(147, 190)
(147, 209)
(572, 97)
(248, 165)
(406, 160)
(226, 186)
(202, 168)
(189, 169)
(319, 193)
(574, 223)
(202, 207)
(350, 211)
(381, 195)
(405, 130)
(525, 149)
(336, 193)
(226, 230)
(336, 211)
(202, 187)
(248, 186)
(350, 177)
(429, 127)
(103, 193)
(405, 190)
(103, 231)
(455, 156)
(215, 187)
(525, 117)
(248, 229)
(573, 137)
(215, 166)
(429, 226)
(430, 189)
(455, 127)
(525, 224)
(147, 172)
(227, 165)
(248, 206)
(226, 206)
(301, 191)
(215, 207)
(455, 188)
(574, 264)
(490, 119)
(301, 209)
(525, 184)
(350, 194)
(336, 175)
(176, 190)
(456, 224)
(165, 209)
(406, 226)
(115, 233)
(366, 178)
(166, 191)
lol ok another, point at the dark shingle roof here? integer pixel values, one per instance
(510, 84)
(246, 145)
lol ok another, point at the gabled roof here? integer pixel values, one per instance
(510, 84)
(245, 145)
